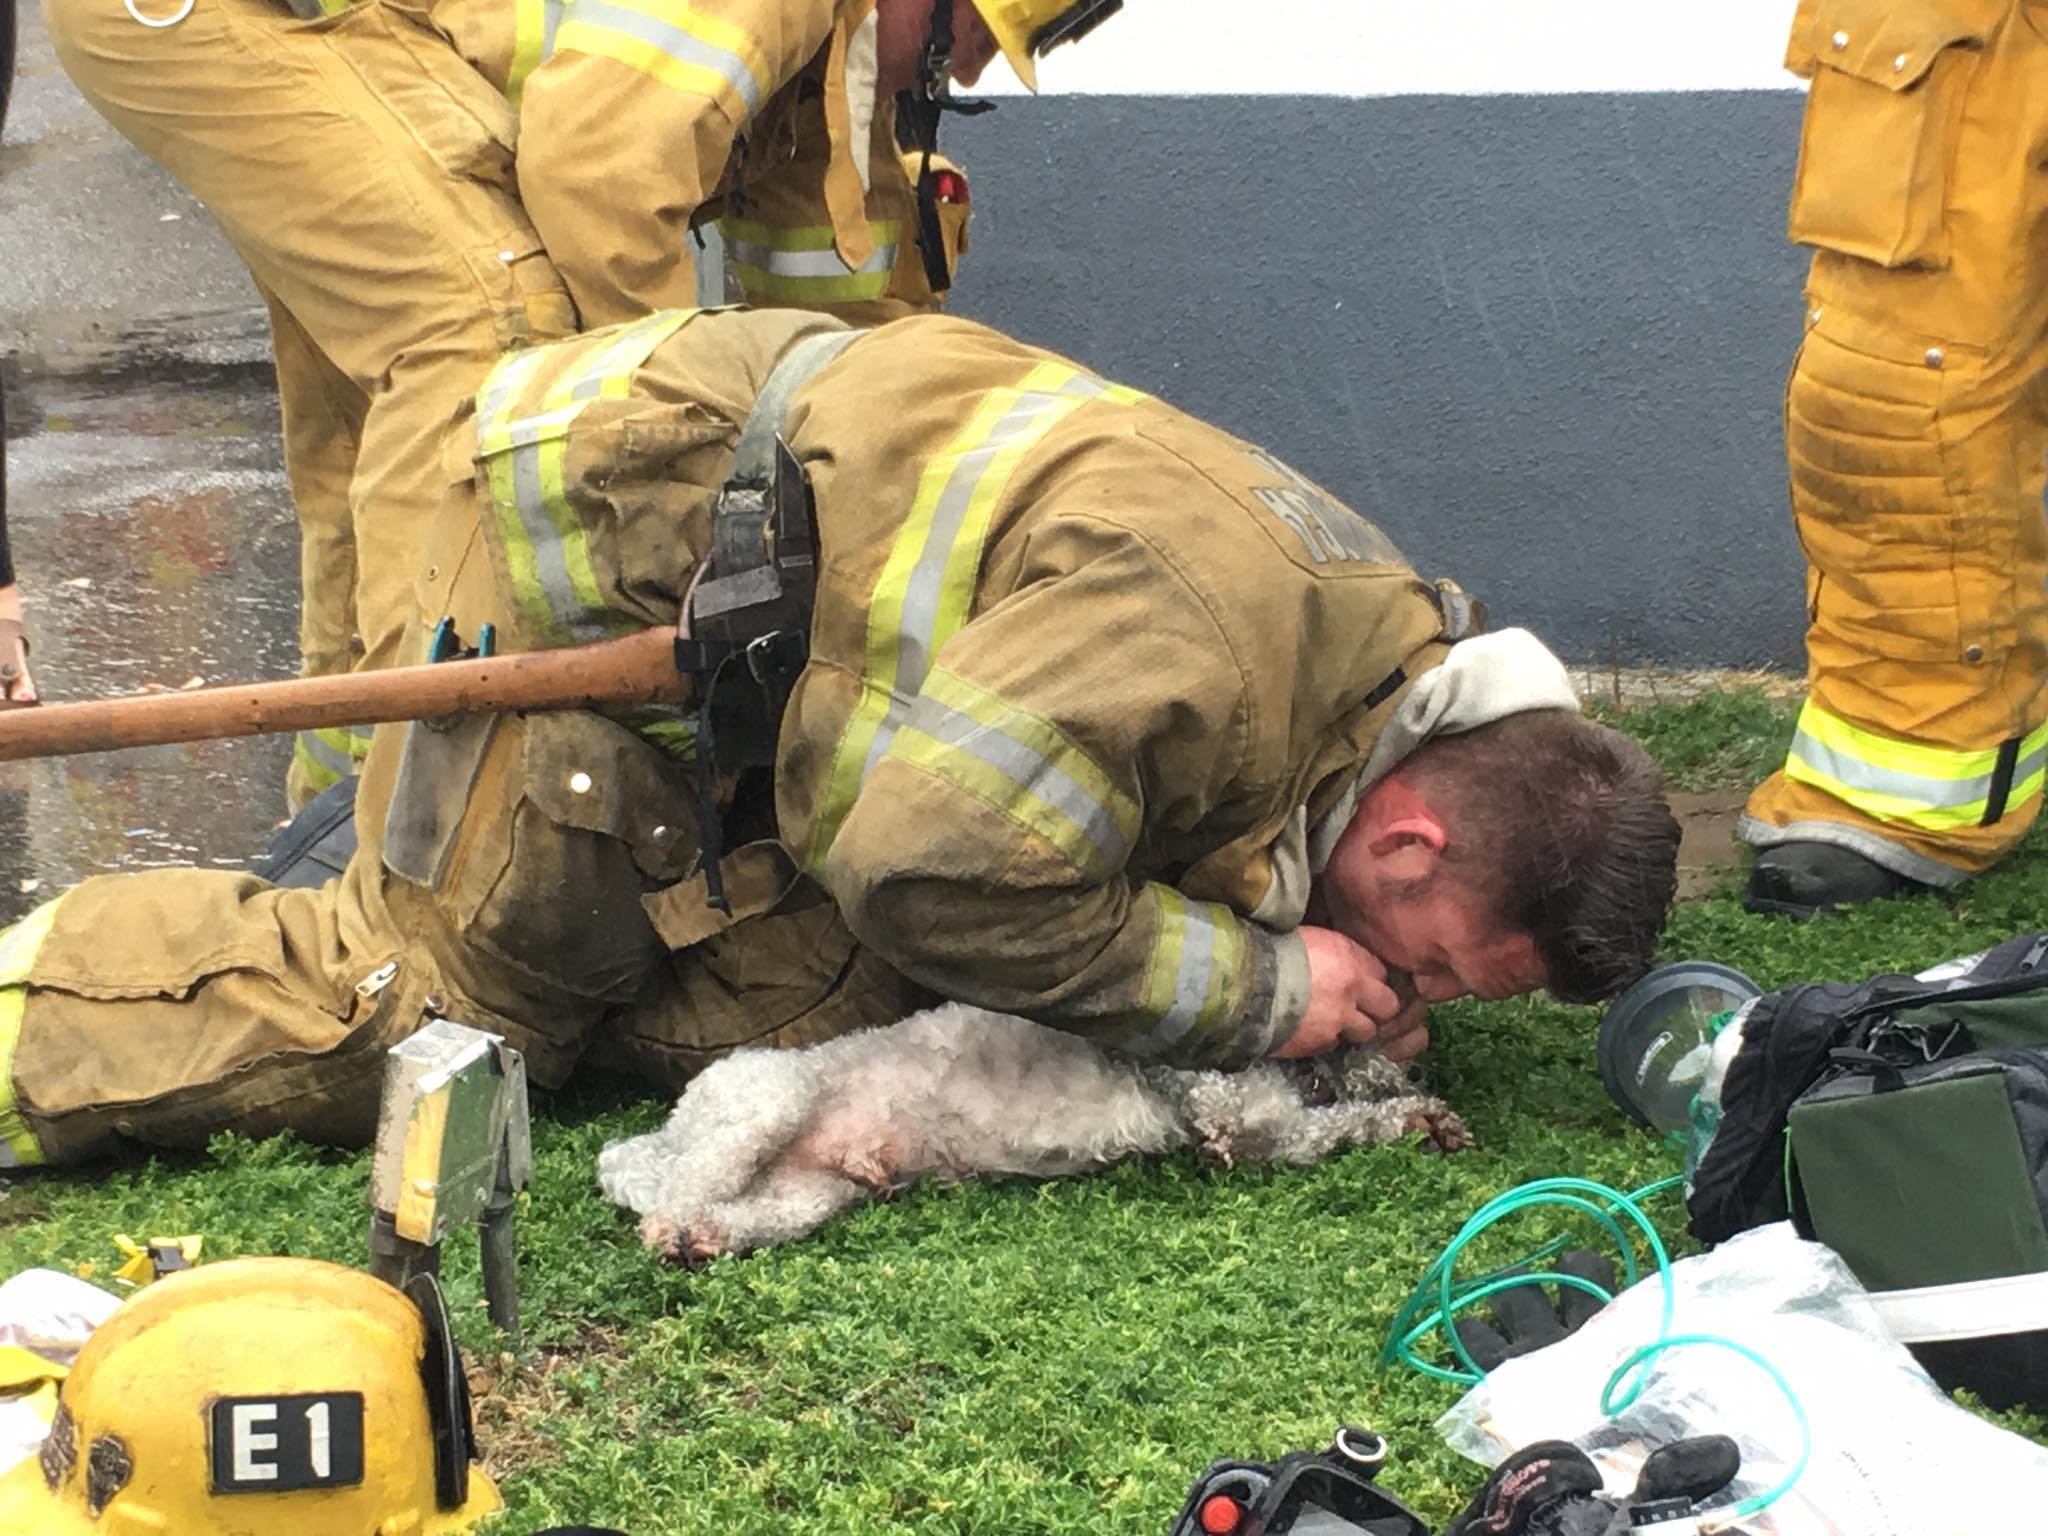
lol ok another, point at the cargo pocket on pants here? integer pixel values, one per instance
(1870, 492)
(1888, 85)
(214, 1009)
(573, 820)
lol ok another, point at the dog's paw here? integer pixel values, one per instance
(1441, 1128)
(690, 1243)
(872, 1171)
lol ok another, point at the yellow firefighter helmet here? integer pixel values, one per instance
(257, 1397)
(1024, 29)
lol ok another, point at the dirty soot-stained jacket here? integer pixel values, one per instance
(1085, 670)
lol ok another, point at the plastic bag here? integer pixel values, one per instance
(45, 1317)
(1891, 1455)
(52, 1314)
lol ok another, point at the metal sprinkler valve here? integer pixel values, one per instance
(454, 1148)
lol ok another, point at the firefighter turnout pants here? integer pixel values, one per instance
(522, 874)
(1916, 426)
(363, 171)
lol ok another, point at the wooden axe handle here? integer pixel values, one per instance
(638, 669)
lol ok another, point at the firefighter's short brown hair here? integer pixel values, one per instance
(1564, 826)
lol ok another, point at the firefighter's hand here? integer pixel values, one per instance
(17, 683)
(1353, 1001)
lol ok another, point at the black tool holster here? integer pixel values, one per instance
(746, 625)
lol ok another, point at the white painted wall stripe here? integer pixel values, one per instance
(1405, 48)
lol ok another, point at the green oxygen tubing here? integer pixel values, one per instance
(1440, 1296)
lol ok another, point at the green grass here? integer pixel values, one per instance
(1011, 1358)
(1718, 740)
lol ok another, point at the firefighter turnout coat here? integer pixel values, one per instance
(417, 189)
(1088, 681)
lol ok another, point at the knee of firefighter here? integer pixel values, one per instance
(570, 820)
(1889, 85)
(785, 979)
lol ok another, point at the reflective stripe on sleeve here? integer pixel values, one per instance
(674, 43)
(546, 545)
(799, 265)
(1933, 788)
(535, 23)
(331, 754)
(1024, 767)
(926, 588)
(19, 947)
(1195, 956)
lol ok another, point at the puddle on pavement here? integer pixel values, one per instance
(156, 543)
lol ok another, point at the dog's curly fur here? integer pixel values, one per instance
(766, 1146)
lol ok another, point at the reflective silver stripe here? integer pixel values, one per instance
(551, 22)
(1859, 774)
(1191, 983)
(1028, 769)
(2034, 762)
(809, 264)
(322, 754)
(597, 367)
(670, 39)
(914, 634)
(550, 553)
(501, 391)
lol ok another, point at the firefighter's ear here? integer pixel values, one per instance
(1402, 833)
(1407, 848)
(1421, 834)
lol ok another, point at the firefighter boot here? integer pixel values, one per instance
(1803, 880)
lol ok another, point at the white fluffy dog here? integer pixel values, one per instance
(766, 1146)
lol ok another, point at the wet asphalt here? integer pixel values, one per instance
(147, 504)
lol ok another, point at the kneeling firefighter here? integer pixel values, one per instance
(1010, 722)
(418, 188)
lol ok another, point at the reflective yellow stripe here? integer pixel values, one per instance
(1023, 766)
(1933, 788)
(546, 545)
(1195, 957)
(19, 947)
(927, 584)
(801, 264)
(331, 754)
(503, 388)
(534, 26)
(606, 373)
(673, 43)
(674, 736)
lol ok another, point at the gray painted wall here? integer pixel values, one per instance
(1541, 341)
